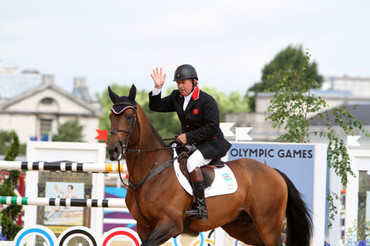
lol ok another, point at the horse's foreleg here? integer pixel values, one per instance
(161, 233)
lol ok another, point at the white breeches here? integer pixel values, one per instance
(196, 160)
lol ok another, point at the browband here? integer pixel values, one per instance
(121, 111)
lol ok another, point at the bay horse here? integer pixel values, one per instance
(254, 214)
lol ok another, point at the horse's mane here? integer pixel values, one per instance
(142, 117)
(157, 134)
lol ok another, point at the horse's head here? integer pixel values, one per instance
(124, 122)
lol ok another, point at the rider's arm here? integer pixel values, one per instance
(159, 104)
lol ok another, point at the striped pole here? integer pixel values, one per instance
(66, 202)
(61, 166)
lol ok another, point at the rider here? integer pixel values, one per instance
(200, 119)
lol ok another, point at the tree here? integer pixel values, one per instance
(293, 107)
(234, 103)
(293, 57)
(10, 214)
(70, 131)
(168, 124)
(6, 140)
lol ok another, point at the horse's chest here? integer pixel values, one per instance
(141, 201)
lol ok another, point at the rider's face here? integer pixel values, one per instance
(185, 86)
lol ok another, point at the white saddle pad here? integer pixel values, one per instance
(224, 182)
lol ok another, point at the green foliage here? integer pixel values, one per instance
(13, 149)
(293, 106)
(9, 228)
(10, 214)
(292, 102)
(333, 211)
(106, 103)
(353, 236)
(167, 124)
(70, 131)
(234, 103)
(5, 138)
(5, 141)
(291, 57)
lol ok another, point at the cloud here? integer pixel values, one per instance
(229, 41)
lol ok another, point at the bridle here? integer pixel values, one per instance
(124, 146)
(124, 143)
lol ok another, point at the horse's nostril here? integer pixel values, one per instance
(114, 152)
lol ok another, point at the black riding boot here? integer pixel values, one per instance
(199, 209)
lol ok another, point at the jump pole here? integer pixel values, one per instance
(65, 202)
(62, 166)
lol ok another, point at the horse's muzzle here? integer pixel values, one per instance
(115, 151)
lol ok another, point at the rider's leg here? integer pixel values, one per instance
(195, 161)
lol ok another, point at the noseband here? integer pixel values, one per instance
(124, 143)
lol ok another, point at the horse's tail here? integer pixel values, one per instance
(299, 221)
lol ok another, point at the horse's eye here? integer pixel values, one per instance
(129, 117)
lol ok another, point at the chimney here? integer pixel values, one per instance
(80, 89)
(79, 82)
(47, 79)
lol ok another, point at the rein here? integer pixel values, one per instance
(155, 170)
(124, 145)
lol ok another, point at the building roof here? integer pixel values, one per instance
(360, 112)
(15, 87)
(356, 85)
(12, 85)
(81, 91)
(45, 86)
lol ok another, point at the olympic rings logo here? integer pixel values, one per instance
(76, 231)
(199, 241)
(88, 235)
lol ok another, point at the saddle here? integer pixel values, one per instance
(207, 170)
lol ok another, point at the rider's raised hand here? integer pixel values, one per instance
(158, 78)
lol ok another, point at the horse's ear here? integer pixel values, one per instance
(113, 96)
(132, 94)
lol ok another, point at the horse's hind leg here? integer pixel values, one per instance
(271, 233)
(269, 227)
(243, 230)
(244, 233)
(268, 220)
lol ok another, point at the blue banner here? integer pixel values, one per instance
(295, 160)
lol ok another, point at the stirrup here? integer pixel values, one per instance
(197, 213)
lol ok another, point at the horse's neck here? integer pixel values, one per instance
(141, 163)
(150, 152)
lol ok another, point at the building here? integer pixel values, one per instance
(352, 95)
(336, 91)
(34, 106)
(355, 85)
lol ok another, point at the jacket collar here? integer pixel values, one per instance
(195, 93)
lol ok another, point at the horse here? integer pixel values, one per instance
(254, 214)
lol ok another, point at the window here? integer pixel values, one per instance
(47, 101)
(45, 126)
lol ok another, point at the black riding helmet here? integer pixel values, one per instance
(185, 71)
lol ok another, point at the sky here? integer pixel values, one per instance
(227, 41)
